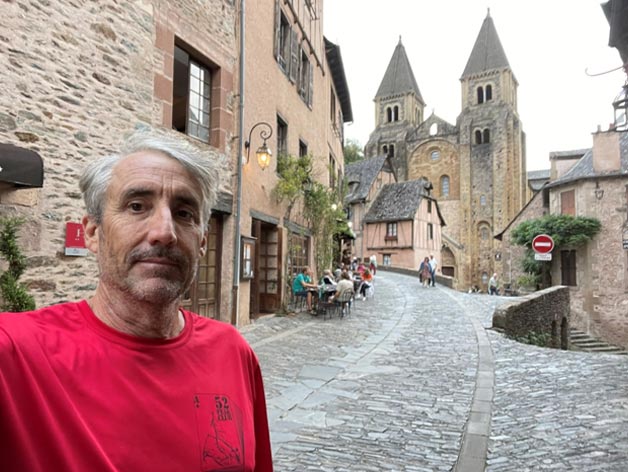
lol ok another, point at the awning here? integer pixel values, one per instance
(21, 167)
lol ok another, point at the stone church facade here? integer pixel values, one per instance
(477, 166)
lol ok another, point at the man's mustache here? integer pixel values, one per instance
(173, 255)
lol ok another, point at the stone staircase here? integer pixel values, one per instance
(581, 341)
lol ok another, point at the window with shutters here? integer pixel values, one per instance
(568, 268)
(568, 203)
(283, 36)
(282, 137)
(191, 101)
(304, 83)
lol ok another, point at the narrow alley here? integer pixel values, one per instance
(412, 380)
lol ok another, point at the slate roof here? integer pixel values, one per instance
(487, 53)
(334, 59)
(399, 201)
(399, 77)
(578, 153)
(538, 178)
(362, 173)
(583, 169)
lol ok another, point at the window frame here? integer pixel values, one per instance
(391, 231)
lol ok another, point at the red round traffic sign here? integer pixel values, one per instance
(543, 244)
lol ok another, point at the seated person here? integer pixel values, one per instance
(345, 285)
(367, 280)
(303, 286)
(328, 285)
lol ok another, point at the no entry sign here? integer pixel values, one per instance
(543, 244)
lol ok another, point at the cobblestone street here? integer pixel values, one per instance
(411, 381)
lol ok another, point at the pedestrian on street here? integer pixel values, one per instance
(433, 266)
(493, 285)
(425, 273)
(127, 380)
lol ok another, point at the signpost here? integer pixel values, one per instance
(543, 245)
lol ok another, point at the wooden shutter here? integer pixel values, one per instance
(277, 30)
(568, 268)
(568, 203)
(294, 51)
(310, 90)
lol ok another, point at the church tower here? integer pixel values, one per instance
(491, 153)
(399, 109)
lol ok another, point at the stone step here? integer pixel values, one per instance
(581, 341)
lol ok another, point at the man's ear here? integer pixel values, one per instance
(90, 229)
(203, 248)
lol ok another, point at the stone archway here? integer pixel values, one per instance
(448, 263)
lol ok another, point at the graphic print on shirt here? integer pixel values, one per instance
(219, 425)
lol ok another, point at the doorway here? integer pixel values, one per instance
(265, 285)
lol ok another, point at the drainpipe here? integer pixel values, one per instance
(235, 295)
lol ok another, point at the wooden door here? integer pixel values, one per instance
(203, 297)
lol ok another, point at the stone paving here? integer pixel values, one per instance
(390, 388)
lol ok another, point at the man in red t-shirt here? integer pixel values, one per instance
(127, 380)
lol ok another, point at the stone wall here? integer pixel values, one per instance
(543, 312)
(441, 279)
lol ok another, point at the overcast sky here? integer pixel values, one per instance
(550, 45)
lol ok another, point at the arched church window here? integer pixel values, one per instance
(480, 92)
(489, 93)
(396, 113)
(444, 186)
(483, 200)
(435, 155)
(388, 114)
(391, 150)
(433, 129)
(385, 149)
(487, 136)
(484, 233)
(478, 136)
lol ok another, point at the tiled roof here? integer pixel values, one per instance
(398, 201)
(487, 53)
(360, 177)
(539, 174)
(399, 77)
(583, 169)
(339, 78)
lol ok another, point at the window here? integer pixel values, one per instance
(332, 171)
(484, 233)
(388, 114)
(489, 93)
(391, 150)
(568, 268)
(391, 231)
(332, 107)
(283, 41)
(304, 84)
(435, 155)
(387, 259)
(282, 137)
(478, 136)
(483, 200)
(396, 113)
(302, 149)
(191, 96)
(429, 206)
(444, 186)
(568, 203)
(486, 137)
(484, 278)
(480, 92)
(385, 149)
(298, 253)
(430, 231)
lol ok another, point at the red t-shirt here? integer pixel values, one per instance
(77, 395)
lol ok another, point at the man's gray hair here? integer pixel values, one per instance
(202, 165)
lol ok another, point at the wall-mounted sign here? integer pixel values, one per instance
(74, 240)
(543, 244)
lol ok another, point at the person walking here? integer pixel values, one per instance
(433, 266)
(425, 273)
(493, 285)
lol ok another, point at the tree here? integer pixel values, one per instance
(15, 298)
(353, 151)
(565, 230)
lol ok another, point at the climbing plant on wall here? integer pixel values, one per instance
(15, 298)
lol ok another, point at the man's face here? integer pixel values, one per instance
(150, 238)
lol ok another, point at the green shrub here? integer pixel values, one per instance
(14, 296)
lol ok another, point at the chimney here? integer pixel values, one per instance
(606, 152)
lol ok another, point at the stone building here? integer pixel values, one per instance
(77, 78)
(477, 166)
(597, 273)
